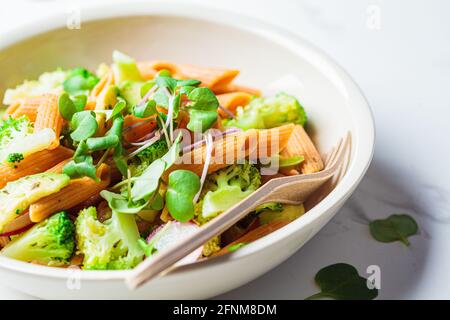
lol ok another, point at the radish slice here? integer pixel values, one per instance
(209, 149)
(14, 232)
(173, 232)
(18, 225)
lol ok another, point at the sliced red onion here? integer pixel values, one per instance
(144, 141)
(228, 112)
(173, 232)
(14, 232)
(145, 146)
(209, 149)
(137, 124)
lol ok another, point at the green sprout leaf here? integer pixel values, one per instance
(166, 82)
(397, 227)
(84, 125)
(203, 99)
(146, 110)
(182, 187)
(341, 281)
(292, 161)
(236, 246)
(120, 105)
(200, 120)
(188, 82)
(79, 81)
(82, 150)
(79, 167)
(161, 98)
(146, 87)
(68, 107)
(121, 204)
(148, 182)
(202, 109)
(102, 143)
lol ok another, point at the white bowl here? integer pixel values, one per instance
(204, 36)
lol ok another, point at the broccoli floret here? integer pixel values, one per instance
(270, 206)
(144, 158)
(270, 112)
(225, 188)
(80, 81)
(112, 244)
(11, 129)
(48, 82)
(50, 242)
(15, 157)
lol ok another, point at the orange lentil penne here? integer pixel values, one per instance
(150, 68)
(29, 107)
(213, 78)
(33, 164)
(48, 116)
(273, 141)
(300, 144)
(57, 168)
(231, 87)
(105, 82)
(233, 148)
(78, 191)
(136, 128)
(146, 69)
(11, 109)
(232, 100)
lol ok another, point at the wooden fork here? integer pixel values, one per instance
(288, 190)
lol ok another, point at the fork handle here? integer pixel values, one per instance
(153, 266)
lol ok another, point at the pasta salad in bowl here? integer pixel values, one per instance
(102, 170)
(110, 155)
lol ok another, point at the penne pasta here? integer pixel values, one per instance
(57, 168)
(105, 81)
(34, 163)
(29, 107)
(135, 128)
(79, 190)
(213, 78)
(300, 144)
(197, 111)
(235, 148)
(232, 100)
(149, 69)
(238, 88)
(146, 69)
(48, 116)
(11, 109)
(273, 141)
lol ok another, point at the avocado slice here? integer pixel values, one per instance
(18, 195)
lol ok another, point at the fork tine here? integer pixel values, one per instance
(328, 157)
(334, 153)
(342, 148)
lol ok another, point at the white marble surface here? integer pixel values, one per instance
(402, 64)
